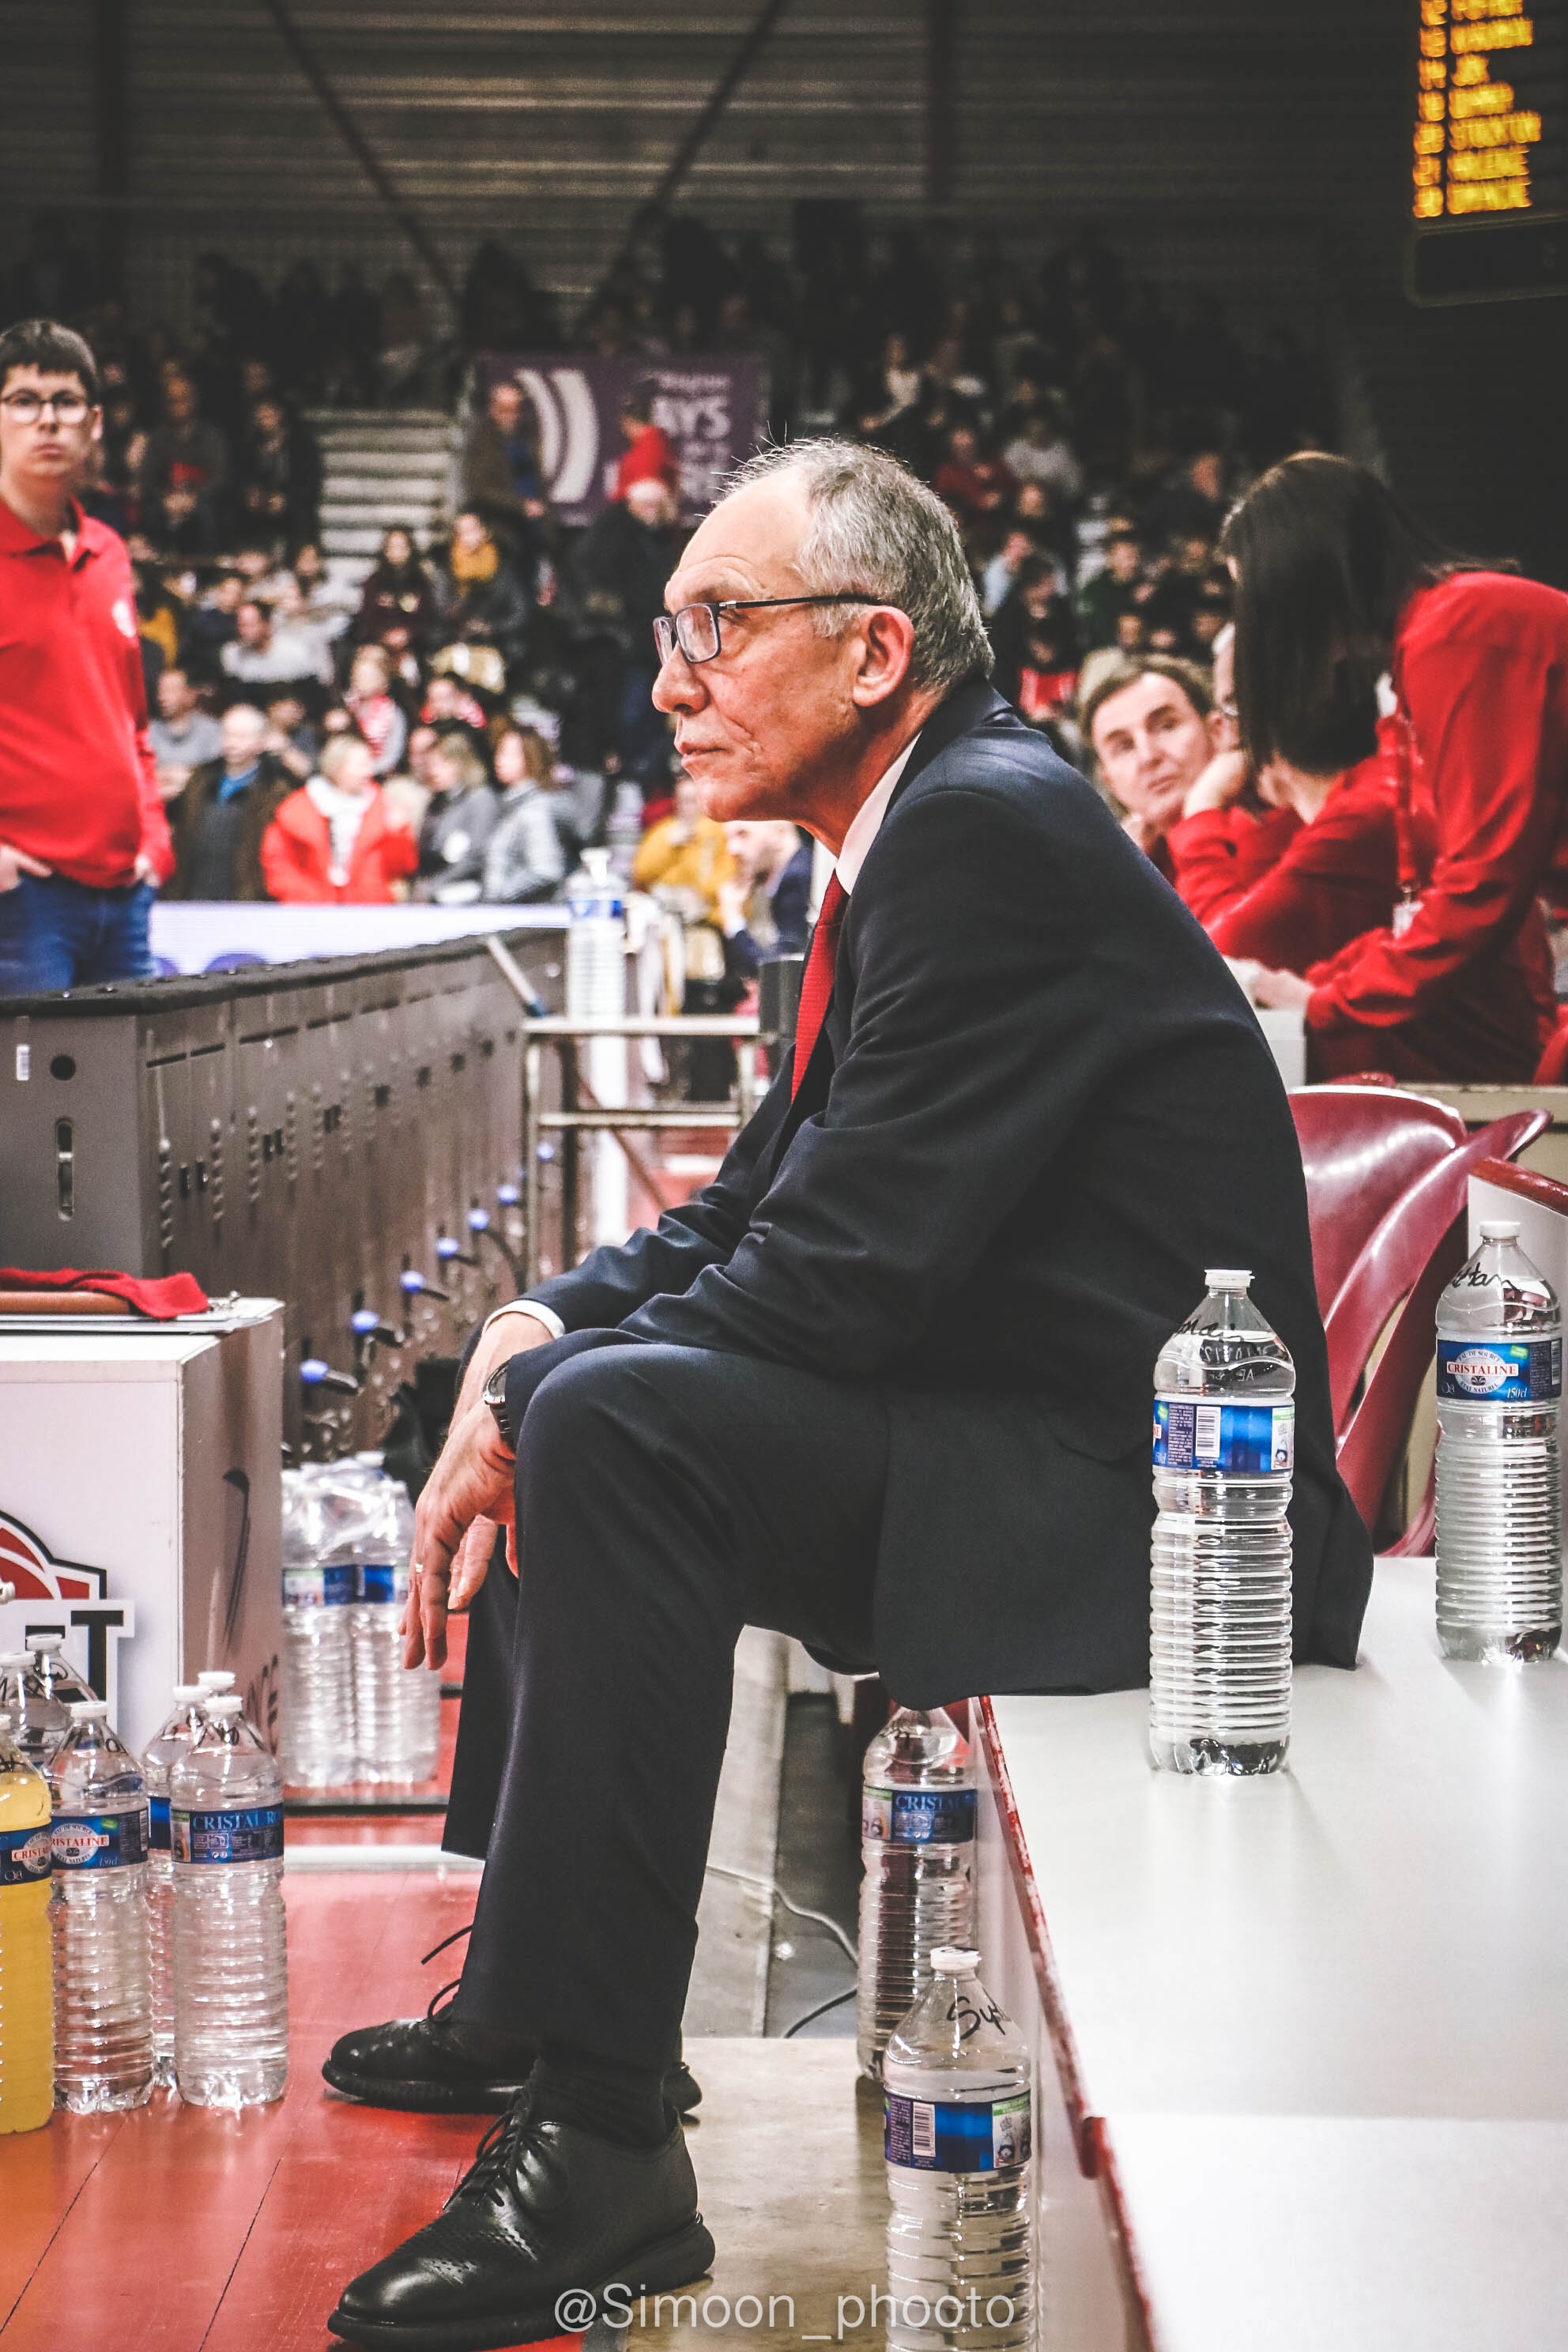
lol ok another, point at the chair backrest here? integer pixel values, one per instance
(1363, 1146)
(1419, 1248)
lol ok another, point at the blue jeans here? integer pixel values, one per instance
(60, 934)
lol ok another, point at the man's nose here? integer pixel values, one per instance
(676, 687)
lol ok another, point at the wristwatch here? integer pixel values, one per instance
(494, 1394)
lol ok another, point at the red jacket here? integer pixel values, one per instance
(297, 847)
(1215, 860)
(650, 459)
(79, 785)
(1481, 670)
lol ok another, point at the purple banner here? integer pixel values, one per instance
(712, 407)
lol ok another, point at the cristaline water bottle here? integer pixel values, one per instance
(26, 1964)
(1500, 1378)
(957, 2138)
(181, 1731)
(103, 2011)
(398, 1713)
(1220, 1612)
(41, 1719)
(231, 1982)
(318, 1585)
(917, 1846)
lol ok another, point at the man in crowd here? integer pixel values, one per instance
(184, 474)
(649, 455)
(183, 736)
(1150, 722)
(618, 570)
(265, 654)
(1111, 592)
(884, 1385)
(280, 474)
(220, 820)
(501, 467)
(82, 833)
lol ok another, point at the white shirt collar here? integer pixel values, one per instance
(868, 821)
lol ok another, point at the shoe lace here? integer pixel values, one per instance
(442, 1991)
(497, 2152)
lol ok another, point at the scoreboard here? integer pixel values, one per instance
(1488, 165)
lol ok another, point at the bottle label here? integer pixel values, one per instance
(1501, 1372)
(918, 1816)
(248, 1833)
(158, 1824)
(99, 1840)
(318, 1587)
(24, 1855)
(933, 2136)
(1251, 1441)
(382, 1583)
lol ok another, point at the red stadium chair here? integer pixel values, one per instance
(1362, 1146)
(1417, 1248)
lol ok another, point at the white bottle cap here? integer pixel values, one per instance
(947, 1960)
(16, 1658)
(1500, 1229)
(89, 1710)
(225, 1709)
(186, 1693)
(53, 1642)
(1228, 1277)
(216, 1679)
(7, 1593)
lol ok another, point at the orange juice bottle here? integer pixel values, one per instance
(27, 1963)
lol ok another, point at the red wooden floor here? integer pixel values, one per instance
(176, 2229)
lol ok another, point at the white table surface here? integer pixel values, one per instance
(190, 931)
(1380, 1931)
(1316, 2234)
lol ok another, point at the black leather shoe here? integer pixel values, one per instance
(551, 2227)
(419, 2066)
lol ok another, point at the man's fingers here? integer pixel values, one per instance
(471, 1566)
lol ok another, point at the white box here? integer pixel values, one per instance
(141, 1504)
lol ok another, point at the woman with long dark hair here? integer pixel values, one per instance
(1344, 606)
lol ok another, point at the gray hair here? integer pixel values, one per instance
(874, 525)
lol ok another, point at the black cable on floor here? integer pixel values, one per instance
(821, 2009)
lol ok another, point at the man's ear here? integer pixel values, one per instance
(887, 642)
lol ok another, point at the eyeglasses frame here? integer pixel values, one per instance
(671, 620)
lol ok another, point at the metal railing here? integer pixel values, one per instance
(581, 1113)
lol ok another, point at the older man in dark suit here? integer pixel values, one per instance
(884, 1385)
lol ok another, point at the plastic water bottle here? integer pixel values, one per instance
(41, 1720)
(53, 1672)
(318, 1587)
(398, 1713)
(957, 2138)
(595, 940)
(917, 1845)
(180, 1732)
(1499, 1377)
(98, 1846)
(27, 1967)
(1219, 1614)
(623, 830)
(231, 1980)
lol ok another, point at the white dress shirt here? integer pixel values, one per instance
(864, 827)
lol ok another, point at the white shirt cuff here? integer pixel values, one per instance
(545, 1315)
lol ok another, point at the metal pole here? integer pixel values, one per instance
(531, 1076)
(571, 1159)
(364, 156)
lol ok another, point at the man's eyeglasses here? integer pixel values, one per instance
(695, 628)
(65, 407)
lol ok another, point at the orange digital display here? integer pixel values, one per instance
(1491, 109)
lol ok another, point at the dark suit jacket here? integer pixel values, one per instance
(1038, 1109)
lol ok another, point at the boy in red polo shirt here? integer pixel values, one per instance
(83, 839)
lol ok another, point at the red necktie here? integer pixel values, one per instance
(816, 982)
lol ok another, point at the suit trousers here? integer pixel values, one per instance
(666, 1498)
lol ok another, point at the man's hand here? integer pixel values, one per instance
(1221, 782)
(1284, 990)
(468, 1498)
(144, 869)
(15, 862)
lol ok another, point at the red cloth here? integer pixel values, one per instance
(1216, 857)
(78, 785)
(297, 848)
(973, 491)
(1481, 669)
(163, 1297)
(816, 982)
(1043, 692)
(650, 459)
